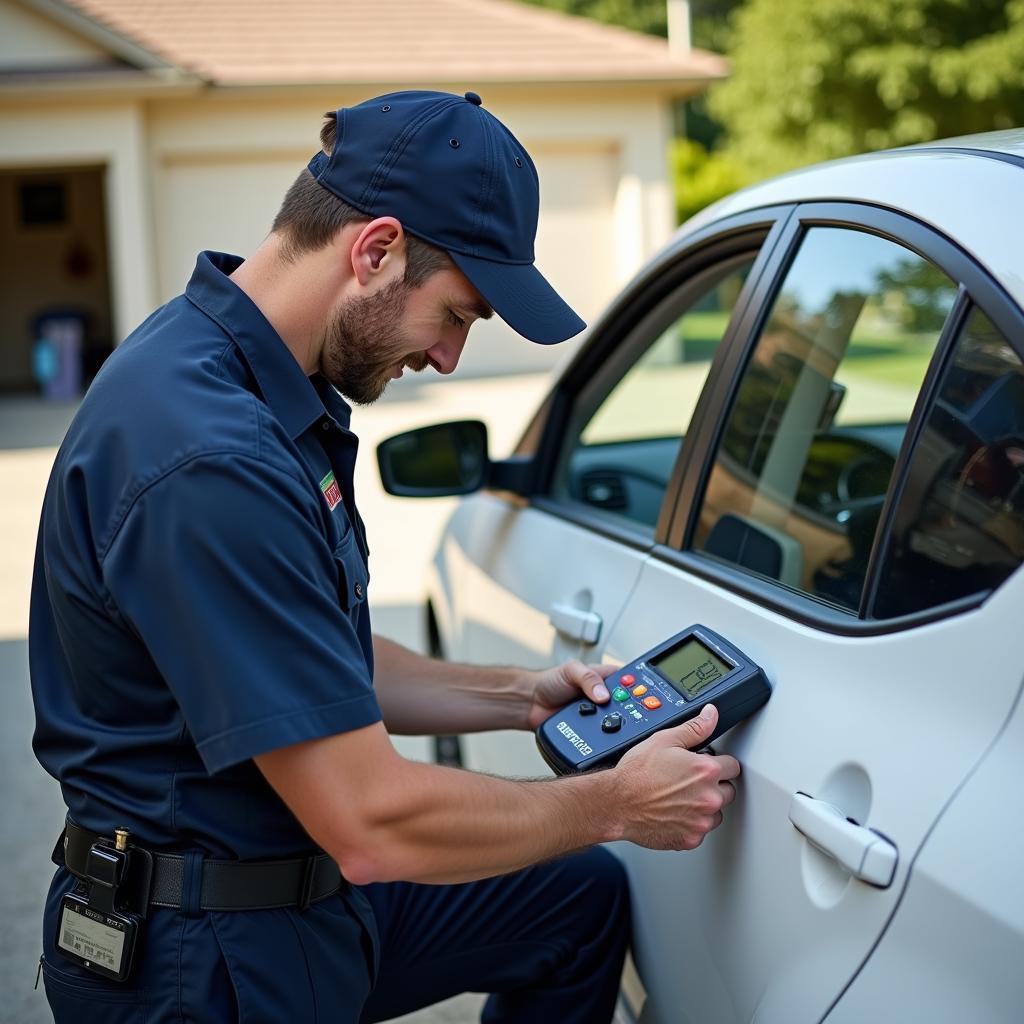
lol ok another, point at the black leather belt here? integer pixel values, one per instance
(226, 884)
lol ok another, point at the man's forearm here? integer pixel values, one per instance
(420, 695)
(383, 817)
(444, 825)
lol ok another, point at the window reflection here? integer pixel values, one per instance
(811, 441)
(959, 527)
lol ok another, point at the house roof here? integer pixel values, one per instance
(298, 42)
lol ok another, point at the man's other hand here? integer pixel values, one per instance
(556, 687)
(671, 797)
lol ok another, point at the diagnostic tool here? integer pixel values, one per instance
(663, 688)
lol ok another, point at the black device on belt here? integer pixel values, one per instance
(97, 930)
(102, 917)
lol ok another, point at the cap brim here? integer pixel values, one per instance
(520, 294)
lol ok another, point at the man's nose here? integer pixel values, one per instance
(445, 355)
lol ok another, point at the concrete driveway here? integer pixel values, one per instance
(402, 536)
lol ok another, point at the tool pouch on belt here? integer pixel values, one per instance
(102, 916)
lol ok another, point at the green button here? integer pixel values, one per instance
(620, 694)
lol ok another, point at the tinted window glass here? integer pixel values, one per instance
(628, 426)
(809, 446)
(959, 525)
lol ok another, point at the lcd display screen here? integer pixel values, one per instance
(691, 666)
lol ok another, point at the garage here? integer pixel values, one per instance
(55, 323)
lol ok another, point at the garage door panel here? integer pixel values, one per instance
(223, 203)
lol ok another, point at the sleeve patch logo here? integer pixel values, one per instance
(331, 491)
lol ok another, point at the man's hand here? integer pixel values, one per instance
(555, 687)
(672, 797)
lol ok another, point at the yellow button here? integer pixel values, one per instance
(639, 691)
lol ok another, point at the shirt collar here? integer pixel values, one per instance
(333, 402)
(286, 388)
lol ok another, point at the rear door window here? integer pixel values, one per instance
(807, 454)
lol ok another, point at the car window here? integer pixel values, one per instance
(959, 526)
(807, 453)
(628, 425)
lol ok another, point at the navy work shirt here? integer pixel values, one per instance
(199, 594)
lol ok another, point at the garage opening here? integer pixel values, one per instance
(55, 316)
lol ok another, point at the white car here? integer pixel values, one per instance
(802, 426)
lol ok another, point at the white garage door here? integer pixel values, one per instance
(226, 203)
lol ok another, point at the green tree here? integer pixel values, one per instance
(640, 15)
(711, 23)
(709, 19)
(816, 79)
(700, 177)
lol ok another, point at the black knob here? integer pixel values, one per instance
(611, 723)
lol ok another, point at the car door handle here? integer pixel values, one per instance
(575, 622)
(865, 853)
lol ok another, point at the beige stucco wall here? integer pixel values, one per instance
(28, 39)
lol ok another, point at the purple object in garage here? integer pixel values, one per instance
(57, 358)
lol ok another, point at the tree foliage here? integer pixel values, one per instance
(709, 19)
(640, 15)
(700, 178)
(816, 79)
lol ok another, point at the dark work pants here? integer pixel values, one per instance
(547, 942)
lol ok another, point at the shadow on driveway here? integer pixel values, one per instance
(29, 422)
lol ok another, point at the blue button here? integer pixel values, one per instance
(474, 98)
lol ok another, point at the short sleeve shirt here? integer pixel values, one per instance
(200, 584)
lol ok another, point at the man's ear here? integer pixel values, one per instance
(378, 252)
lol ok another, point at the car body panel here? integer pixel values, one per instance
(782, 927)
(957, 944)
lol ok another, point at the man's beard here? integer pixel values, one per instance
(365, 341)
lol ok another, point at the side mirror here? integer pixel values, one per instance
(436, 461)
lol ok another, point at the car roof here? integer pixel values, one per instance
(969, 188)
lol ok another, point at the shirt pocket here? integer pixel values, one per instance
(353, 575)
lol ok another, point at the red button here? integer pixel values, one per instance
(627, 679)
(651, 703)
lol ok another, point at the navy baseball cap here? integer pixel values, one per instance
(456, 177)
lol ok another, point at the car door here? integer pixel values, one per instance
(542, 582)
(824, 530)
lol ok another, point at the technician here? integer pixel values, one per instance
(243, 841)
